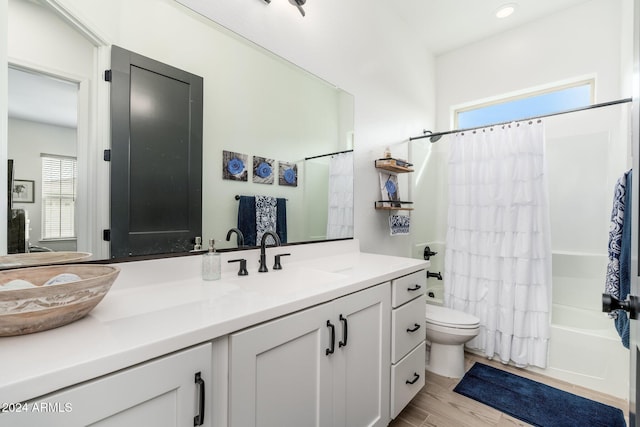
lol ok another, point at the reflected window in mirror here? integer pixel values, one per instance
(59, 179)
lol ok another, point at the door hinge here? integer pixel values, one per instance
(107, 75)
(106, 235)
(106, 156)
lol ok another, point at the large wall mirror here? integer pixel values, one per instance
(256, 105)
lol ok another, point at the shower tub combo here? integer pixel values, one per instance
(584, 348)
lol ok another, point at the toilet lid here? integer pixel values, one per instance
(444, 316)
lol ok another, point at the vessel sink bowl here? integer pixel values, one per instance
(42, 307)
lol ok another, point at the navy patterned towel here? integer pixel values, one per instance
(266, 214)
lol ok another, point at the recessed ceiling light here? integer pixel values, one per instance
(506, 10)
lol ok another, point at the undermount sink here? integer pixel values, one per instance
(287, 281)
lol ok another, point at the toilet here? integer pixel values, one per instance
(447, 331)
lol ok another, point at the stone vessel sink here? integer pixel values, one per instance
(42, 307)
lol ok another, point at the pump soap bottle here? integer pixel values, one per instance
(211, 263)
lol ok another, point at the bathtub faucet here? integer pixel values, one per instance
(437, 275)
(428, 253)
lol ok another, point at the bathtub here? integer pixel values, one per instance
(584, 348)
(435, 293)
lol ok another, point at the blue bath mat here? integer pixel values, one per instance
(533, 402)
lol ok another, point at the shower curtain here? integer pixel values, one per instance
(498, 247)
(340, 215)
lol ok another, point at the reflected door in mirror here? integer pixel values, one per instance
(156, 156)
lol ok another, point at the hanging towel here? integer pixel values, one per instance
(399, 224)
(617, 282)
(281, 219)
(247, 219)
(622, 322)
(340, 197)
(266, 216)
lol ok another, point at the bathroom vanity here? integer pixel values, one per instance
(312, 344)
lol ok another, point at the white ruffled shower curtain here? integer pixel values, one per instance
(340, 212)
(498, 246)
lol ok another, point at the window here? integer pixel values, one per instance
(534, 104)
(59, 175)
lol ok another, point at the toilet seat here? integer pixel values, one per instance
(447, 317)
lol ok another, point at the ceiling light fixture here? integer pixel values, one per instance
(296, 3)
(506, 10)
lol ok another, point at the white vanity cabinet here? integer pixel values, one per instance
(170, 391)
(407, 338)
(323, 366)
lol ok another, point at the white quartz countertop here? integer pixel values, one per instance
(160, 306)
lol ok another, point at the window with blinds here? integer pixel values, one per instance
(59, 176)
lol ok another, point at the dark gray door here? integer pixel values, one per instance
(156, 156)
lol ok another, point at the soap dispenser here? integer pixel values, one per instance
(211, 263)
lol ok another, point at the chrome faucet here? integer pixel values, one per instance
(263, 243)
(239, 236)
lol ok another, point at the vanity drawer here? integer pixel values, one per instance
(408, 323)
(407, 378)
(408, 287)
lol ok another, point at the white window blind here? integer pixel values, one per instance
(59, 175)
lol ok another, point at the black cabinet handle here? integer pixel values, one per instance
(415, 328)
(416, 377)
(331, 349)
(343, 343)
(198, 420)
(415, 287)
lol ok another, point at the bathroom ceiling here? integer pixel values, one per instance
(444, 25)
(39, 98)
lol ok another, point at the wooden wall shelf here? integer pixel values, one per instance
(393, 205)
(394, 165)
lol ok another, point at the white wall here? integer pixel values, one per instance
(362, 48)
(592, 39)
(582, 40)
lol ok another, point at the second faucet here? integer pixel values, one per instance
(263, 244)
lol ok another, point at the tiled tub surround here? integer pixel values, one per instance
(158, 307)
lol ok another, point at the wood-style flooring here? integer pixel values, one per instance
(437, 405)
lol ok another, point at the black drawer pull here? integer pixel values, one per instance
(198, 420)
(331, 349)
(415, 287)
(415, 328)
(416, 377)
(343, 343)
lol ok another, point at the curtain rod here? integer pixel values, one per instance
(329, 154)
(436, 136)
